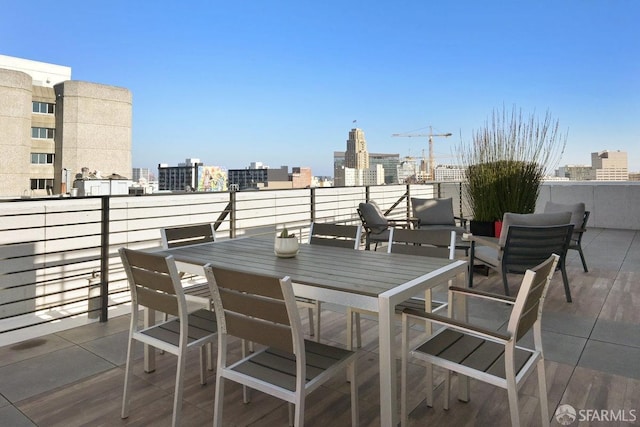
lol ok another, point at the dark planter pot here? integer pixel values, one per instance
(482, 228)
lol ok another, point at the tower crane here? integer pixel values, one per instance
(430, 135)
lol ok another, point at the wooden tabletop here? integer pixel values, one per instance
(367, 273)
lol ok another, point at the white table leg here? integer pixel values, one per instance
(388, 392)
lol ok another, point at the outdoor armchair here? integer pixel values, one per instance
(579, 218)
(494, 357)
(437, 214)
(376, 224)
(525, 241)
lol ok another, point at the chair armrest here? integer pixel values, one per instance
(403, 222)
(486, 241)
(463, 221)
(481, 294)
(456, 324)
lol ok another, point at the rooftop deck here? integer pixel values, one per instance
(592, 349)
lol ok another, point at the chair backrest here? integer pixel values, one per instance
(577, 211)
(372, 217)
(528, 305)
(535, 219)
(154, 282)
(433, 243)
(433, 211)
(186, 235)
(256, 308)
(339, 235)
(528, 246)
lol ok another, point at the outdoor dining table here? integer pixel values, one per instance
(370, 280)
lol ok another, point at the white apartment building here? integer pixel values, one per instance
(51, 127)
(610, 166)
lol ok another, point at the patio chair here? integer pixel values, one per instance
(494, 357)
(437, 214)
(336, 235)
(376, 225)
(196, 287)
(155, 284)
(262, 309)
(432, 243)
(525, 241)
(579, 218)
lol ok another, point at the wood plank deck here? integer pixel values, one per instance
(592, 346)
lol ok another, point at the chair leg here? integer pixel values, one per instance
(219, 398)
(177, 399)
(505, 282)
(512, 392)
(584, 262)
(311, 328)
(358, 331)
(542, 386)
(447, 389)
(355, 411)
(203, 363)
(404, 412)
(565, 280)
(318, 305)
(127, 380)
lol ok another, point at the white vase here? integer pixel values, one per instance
(285, 247)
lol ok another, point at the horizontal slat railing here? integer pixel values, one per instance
(52, 253)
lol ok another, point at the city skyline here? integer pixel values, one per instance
(283, 82)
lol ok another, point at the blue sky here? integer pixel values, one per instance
(281, 82)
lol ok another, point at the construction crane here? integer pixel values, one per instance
(430, 135)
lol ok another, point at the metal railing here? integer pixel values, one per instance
(59, 259)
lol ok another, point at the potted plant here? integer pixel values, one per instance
(505, 165)
(285, 244)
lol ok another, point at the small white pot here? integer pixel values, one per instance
(285, 247)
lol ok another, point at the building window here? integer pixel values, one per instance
(41, 184)
(44, 107)
(41, 159)
(43, 133)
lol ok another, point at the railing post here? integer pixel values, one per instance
(313, 204)
(408, 193)
(104, 260)
(232, 214)
(367, 194)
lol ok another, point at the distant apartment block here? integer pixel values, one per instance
(183, 177)
(575, 172)
(259, 177)
(143, 174)
(51, 127)
(610, 166)
(444, 173)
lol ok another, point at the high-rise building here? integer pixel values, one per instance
(51, 127)
(610, 166)
(138, 174)
(356, 156)
(389, 163)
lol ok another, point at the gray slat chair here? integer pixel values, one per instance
(262, 309)
(155, 284)
(195, 286)
(432, 243)
(326, 234)
(525, 241)
(490, 356)
(579, 218)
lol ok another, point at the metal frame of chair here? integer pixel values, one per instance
(524, 248)
(487, 355)
(193, 285)
(263, 310)
(328, 234)
(155, 284)
(433, 243)
(377, 226)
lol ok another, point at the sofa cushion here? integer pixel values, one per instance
(535, 219)
(433, 211)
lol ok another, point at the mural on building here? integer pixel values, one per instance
(212, 178)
